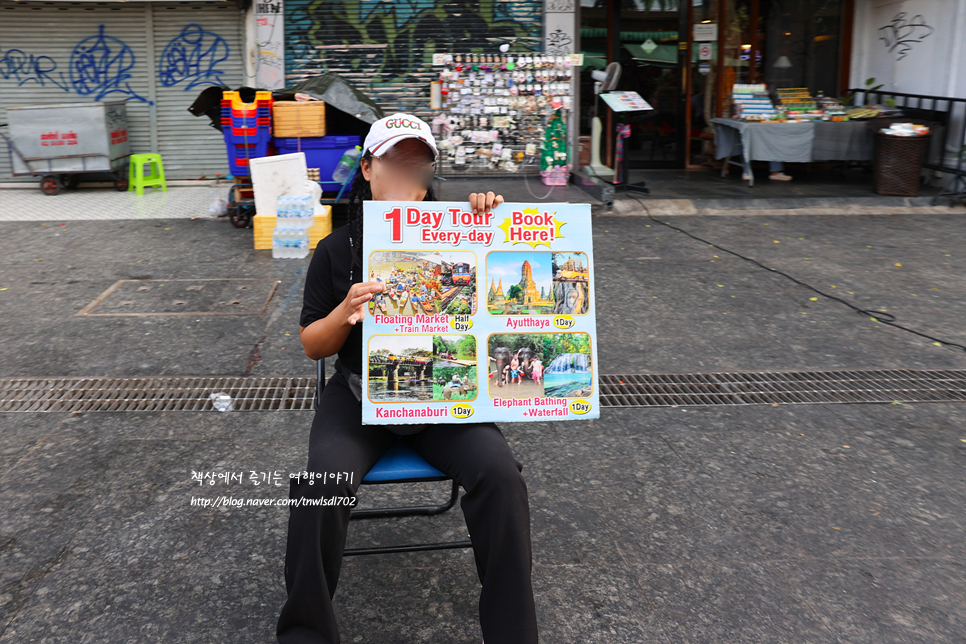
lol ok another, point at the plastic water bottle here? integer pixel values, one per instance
(279, 243)
(276, 245)
(300, 244)
(346, 163)
(295, 215)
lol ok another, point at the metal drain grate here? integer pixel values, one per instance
(644, 390)
(782, 387)
(154, 394)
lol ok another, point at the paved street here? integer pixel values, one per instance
(714, 524)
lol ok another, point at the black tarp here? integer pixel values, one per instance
(347, 110)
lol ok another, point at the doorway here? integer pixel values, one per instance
(643, 36)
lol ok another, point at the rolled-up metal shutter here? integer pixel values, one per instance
(58, 52)
(196, 45)
(385, 48)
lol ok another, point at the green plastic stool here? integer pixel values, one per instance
(137, 180)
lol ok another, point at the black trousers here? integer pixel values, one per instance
(494, 505)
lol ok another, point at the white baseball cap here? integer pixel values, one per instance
(388, 131)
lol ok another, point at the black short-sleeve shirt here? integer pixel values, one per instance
(327, 284)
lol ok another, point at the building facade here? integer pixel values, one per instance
(684, 56)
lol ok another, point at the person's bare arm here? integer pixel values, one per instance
(324, 337)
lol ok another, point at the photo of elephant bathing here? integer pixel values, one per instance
(412, 368)
(544, 365)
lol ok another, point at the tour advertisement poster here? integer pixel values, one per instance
(486, 317)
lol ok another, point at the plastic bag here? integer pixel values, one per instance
(218, 207)
(221, 401)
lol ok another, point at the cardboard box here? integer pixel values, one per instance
(298, 118)
(265, 224)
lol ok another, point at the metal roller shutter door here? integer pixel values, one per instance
(385, 48)
(196, 45)
(38, 63)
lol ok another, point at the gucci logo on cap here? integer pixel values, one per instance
(402, 123)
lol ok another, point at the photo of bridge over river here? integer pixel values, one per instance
(412, 368)
(424, 282)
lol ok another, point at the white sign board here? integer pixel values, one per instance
(625, 101)
(270, 44)
(275, 176)
(704, 51)
(705, 31)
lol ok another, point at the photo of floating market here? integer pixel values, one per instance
(423, 282)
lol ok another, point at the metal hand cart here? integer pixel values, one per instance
(60, 142)
(241, 205)
(241, 199)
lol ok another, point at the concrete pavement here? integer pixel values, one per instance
(701, 524)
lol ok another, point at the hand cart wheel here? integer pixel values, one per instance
(241, 215)
(121, 183)
(51, 184)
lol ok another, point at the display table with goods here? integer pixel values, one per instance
(797, 128)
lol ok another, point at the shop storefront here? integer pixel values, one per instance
(685, 57)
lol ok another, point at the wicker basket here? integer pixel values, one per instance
(898, 163)
(292, 119)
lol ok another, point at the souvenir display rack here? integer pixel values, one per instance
(495, 110)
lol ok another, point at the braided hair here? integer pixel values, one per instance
(362, 191)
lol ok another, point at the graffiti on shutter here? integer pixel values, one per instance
(385, 48)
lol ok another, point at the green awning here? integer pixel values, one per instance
(629, 36)
(661, 56)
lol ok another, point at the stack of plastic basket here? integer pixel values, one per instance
(247, 128)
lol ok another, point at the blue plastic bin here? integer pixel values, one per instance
(322, 152)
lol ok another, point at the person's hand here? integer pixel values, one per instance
(483, 202)
(354, 304)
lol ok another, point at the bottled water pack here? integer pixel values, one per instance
(294, 216)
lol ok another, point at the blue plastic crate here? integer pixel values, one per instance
(241, 151)
(249, 121)
(322, 152)
(263, 135)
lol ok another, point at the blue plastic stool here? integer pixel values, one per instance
(399, 464)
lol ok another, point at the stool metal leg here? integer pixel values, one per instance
(411, 511)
